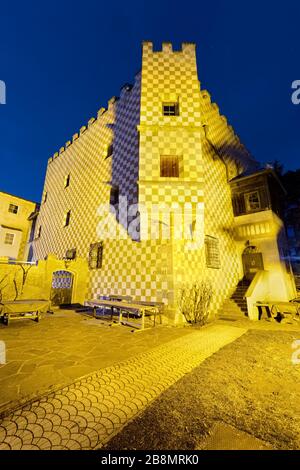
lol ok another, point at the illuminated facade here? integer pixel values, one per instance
(16, 224)
(162, 142)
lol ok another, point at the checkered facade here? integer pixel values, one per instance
(140, 134)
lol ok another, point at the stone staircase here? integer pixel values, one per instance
(235, 308)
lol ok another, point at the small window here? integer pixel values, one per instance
(95, 255)
(170, 109)
(110, 151)
(67, 180)
(169, 166)
(45, 195)
(71, 253)
(9, 238)
(252, 201)
(212, 252)
(13, 208)
(39, 232)
(67, 218)
(114, 195)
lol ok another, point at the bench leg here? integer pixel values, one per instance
(143, 319)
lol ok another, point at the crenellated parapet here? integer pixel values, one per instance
(221, 134)
(125, 89)
(167, 48)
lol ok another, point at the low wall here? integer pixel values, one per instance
(34, 281)
(269, 286)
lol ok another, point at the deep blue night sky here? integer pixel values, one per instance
(62, 61)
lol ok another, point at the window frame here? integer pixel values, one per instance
(9, 234)
(67, 180)
(165, 171)
(95, 260)
(248, 204)
(212, 252)
(13, 211)
(170, 104)
(67, 218)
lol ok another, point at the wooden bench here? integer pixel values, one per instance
(29, 309)
(139, 309)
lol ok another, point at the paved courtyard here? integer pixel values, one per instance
(63, 347)
(87, 413)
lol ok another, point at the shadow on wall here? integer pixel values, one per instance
(124, 151)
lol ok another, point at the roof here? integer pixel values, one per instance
(261, 171)
(18, 197)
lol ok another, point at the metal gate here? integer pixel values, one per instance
(252, 262)
(61, 290)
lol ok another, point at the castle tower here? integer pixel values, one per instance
(170, 170)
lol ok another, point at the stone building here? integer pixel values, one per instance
(144, 193)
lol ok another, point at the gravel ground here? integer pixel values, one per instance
(250, 384)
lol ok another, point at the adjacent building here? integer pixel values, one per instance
(16, 224)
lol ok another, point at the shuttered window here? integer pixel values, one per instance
(169, 166)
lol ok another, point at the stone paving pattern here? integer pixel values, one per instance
(86, 414)
(64, 347)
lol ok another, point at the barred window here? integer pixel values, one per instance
(212, 252)
(95, 255)
(13, 208)
(169, 166)
(171, 109)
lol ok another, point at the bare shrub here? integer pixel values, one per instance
(194, 302)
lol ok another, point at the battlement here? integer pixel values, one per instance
(126, 88)
(188, 48)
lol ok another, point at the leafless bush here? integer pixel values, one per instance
(194, 302)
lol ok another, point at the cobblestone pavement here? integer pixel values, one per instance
(86, 414)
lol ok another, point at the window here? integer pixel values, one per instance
(110, 150)
(67, 218)
(39, 232)
(212, 252)
(45, 195)
(252, 201)
(114, 195)
(13, 208)
(9, 238)
(171, 109)
(95, 255)
(67, 180)
(169, 166)
(71, 253)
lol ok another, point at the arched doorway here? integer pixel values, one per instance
(252, 261)
(61, 288)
